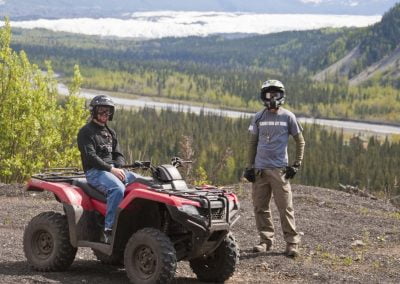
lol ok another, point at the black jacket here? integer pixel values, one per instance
(99, 147)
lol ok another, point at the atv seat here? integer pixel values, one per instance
(89, 190)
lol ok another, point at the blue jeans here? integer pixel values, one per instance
(112, 187)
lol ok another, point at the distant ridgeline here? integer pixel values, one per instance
(218, 145)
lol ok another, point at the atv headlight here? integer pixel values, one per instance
(190, 209)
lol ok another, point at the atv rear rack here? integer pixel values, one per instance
(59, 174)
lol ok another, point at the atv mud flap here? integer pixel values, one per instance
(82, 224)
(84, 230)
(206, 236)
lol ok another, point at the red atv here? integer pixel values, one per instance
(159, 222)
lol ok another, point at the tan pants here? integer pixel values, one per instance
(272, 182)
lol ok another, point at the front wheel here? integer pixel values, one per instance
(150, 257)
(219, 265)
(46, 243)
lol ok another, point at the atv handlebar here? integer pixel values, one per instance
(139, 164)
(178, 162)
(175, 161)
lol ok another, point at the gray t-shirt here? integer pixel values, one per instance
(273, 130)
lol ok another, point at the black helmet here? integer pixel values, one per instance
(272, 86)
(101, 100)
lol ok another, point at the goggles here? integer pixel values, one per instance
(273, 95)
(104, 111)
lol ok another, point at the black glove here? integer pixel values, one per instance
(137, 164)
(250, 174)
(291, 171)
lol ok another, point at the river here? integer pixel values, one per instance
(141, 102)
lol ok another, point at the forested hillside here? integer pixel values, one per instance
(217, 145)
(216, 70)
(285, 53)
(372, 45)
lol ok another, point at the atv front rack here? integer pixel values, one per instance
(205, 197)
(59, 174)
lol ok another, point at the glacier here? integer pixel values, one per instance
(160, 24)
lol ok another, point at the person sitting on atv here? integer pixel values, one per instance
(102, 159)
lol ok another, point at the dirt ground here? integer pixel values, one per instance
(345, 238)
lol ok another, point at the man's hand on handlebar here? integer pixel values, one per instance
(119, 173)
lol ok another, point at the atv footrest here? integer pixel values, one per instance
(102, 247)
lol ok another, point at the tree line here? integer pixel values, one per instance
(218, 148)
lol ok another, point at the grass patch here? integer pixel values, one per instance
(333, 259)
(395, 215)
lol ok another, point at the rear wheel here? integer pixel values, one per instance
(219, 265)
(46, 243)
(150, 257)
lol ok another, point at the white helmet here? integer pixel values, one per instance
(272, 94)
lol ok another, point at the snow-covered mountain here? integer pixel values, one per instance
(34, 9)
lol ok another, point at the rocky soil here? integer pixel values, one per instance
(346, 238)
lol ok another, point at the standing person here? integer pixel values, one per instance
(102, 159)
(268, 168)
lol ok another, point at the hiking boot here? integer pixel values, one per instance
(262, 247)
(292, 250)
(107, 235)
